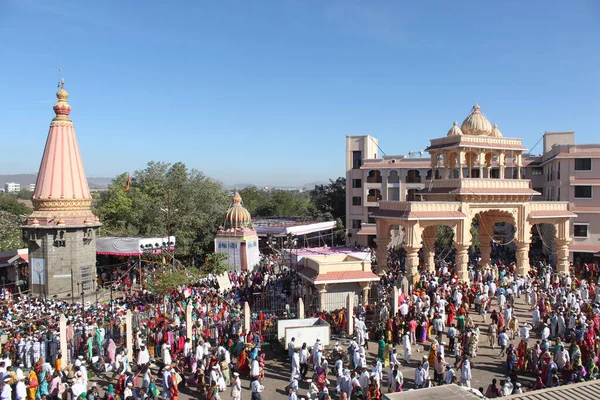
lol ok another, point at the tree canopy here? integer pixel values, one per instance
(165, 198)
(12, 214)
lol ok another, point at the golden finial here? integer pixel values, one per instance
(62, 108)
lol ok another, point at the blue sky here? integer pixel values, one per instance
(265, 91)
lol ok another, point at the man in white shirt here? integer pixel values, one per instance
(21, 389)
(257, 388)
(5, 389)
(524, 331)
(420, 376)
(292, 348)
(143, 356)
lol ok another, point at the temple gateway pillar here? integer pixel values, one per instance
(485, 247)
(429, 249)
(412, 263)
(562, 256)
(462, 262)
(522, 258)
(382, 254)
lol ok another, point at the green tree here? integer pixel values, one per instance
(165, 198)
(213, 263)
(331, 198)
(10, 231)
(252, 197)
(10, 203)
(167, 278)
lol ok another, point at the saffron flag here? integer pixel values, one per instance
(128, 184)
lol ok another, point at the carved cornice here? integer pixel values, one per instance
(61, 204)
(61, 122)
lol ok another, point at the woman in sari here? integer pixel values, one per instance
(424, 330)
(112, 350)
(43, 388)
(243, 364)
(33, 385)
(451, 314)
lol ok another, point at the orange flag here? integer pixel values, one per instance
(128, 184)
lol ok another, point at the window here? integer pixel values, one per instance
(356, 183)
(356, 201)
(583, 192)
(537, 171)
(580, 230)
(356, 223)
(583, 164)
(356, 159)
(558, 172)
(558, 195)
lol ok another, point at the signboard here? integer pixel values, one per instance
(224, 282)
(87, 278)
(38, 271)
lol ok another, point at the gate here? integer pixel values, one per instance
(267, 309)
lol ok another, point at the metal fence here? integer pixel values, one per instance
(267, 309)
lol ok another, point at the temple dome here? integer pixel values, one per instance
(237, 217)
(455, 130)
(496, 132)
(476, 123)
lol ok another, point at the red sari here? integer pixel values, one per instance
(243, 364)
(451, 314)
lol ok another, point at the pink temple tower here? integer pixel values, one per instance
(61, 231)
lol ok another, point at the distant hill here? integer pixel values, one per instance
(28, 179)
(102, 182)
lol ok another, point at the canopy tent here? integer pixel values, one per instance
(285, 226)
(132, 246)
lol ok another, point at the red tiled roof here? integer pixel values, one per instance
(551, 214)
(584, 248)
(338, 276)
(584, 181)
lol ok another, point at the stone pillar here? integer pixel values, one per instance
(522, 258)
(366, 288)
(63, 340)
(412, 264)
(350, 308)
(322, 293)
(382, 252)
(188, 322)
(129, 336)
(485, 246)
(501, 164)
(384, 185)
(429, 254)
(562, 256)
(300, 308)
(462, 262)
(519, 165)
(395, 294)
(246, 317)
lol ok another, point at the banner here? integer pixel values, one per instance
(38, 271)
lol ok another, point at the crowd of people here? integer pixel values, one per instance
(448, 319)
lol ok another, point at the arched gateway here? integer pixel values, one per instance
(478, 174)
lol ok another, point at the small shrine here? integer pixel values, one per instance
(237, 237)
